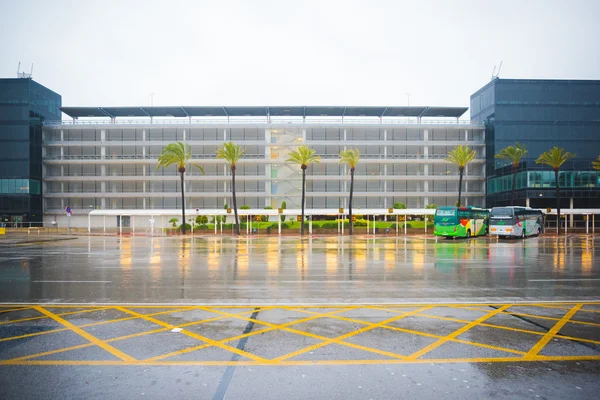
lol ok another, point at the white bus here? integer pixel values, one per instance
(516, 221)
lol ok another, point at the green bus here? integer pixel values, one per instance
(461, 221)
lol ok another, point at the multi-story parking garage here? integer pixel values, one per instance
(106, 157)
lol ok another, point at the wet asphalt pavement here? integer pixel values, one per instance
(215, 323)
(293, 270)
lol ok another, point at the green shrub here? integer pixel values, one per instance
(201, 219)
(284, 225)
(360, 222)
(187, 226)
(329, 225)
(174, 222)
(399, 205)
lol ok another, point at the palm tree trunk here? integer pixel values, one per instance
(303, 192)
(514, 184)
(350, 225)
(460, 171)
(235, 211)
(557, 201)
(182, 205)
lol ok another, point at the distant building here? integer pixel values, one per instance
(106, 157)
(541, 114)
(24, 106)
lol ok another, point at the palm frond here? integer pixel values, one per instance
(555, 157)
(596, 164)
(303, 156)
(461, 156)
(350, 157)
(174, 153)
(513, 153)
(230, 152)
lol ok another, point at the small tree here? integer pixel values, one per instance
(180, 154)
(350, 157)
(555, 158)
(283, 207)
(265, 218)
(399, 205)
(244, 218)
(461, 156)
(431, 206)
(174, 222)
(514, 154)
(232, 153)
(304, 156)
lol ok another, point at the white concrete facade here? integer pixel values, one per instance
(94, 165)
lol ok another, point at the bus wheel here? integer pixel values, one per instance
(468, 233)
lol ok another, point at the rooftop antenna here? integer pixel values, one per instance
(24, 74)
(495, 73)
(408, 98)
(152, 99)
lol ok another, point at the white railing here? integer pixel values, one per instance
(241, 121)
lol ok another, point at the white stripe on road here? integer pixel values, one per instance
(562, 280)
(71, 281)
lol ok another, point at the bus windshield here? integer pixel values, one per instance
(501, 215)
(445, 217)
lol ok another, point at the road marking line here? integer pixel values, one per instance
(14, 309)
(456, 333)
(47, 353)
(419, 333)
(563, 280)
(195, 336)
(60, 315)
(84, 334)
(339, 339)
(550, 318)
(539, 346)
(71, 281)
(299, 363)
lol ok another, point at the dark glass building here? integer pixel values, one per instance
(541, 114)
(24, 105)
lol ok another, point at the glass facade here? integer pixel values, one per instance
(24, 106)
(541, 114)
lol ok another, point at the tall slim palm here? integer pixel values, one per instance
(304, 156)
(350, 157)
(514, 154)
(555, 158)
(232, 153)
(180, 154)
(461, 156)
(596, 164)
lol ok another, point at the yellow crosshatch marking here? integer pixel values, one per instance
(303, 335)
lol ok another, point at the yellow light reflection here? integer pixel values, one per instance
(586, 261)
(331, 257)
(272, 255)
(559, 260)
(418, 256)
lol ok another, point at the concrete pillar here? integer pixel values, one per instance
(571, 217)
(527, 202)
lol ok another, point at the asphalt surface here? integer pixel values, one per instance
(279, 270)
(227, 318)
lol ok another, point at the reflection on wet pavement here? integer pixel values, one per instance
(295, 270)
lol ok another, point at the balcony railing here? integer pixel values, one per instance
(255, 121)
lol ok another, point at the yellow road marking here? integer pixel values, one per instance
(14, 309)
(285, 327)
(84, 325)
(555, 329)
(84, 334)
(551, 318)
(44, 316)
(300, 363)
(47, 353)
(339, 339)
(265, 330)
(194, 335)
(456, 333)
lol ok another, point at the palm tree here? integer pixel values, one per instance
(461, 156)
(514, 154)
(304, 156)
(555, 158)
(350, 157)
(596, 164)
(177, 153)
(232, 153)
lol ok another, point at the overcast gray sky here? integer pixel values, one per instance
(115, 52)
